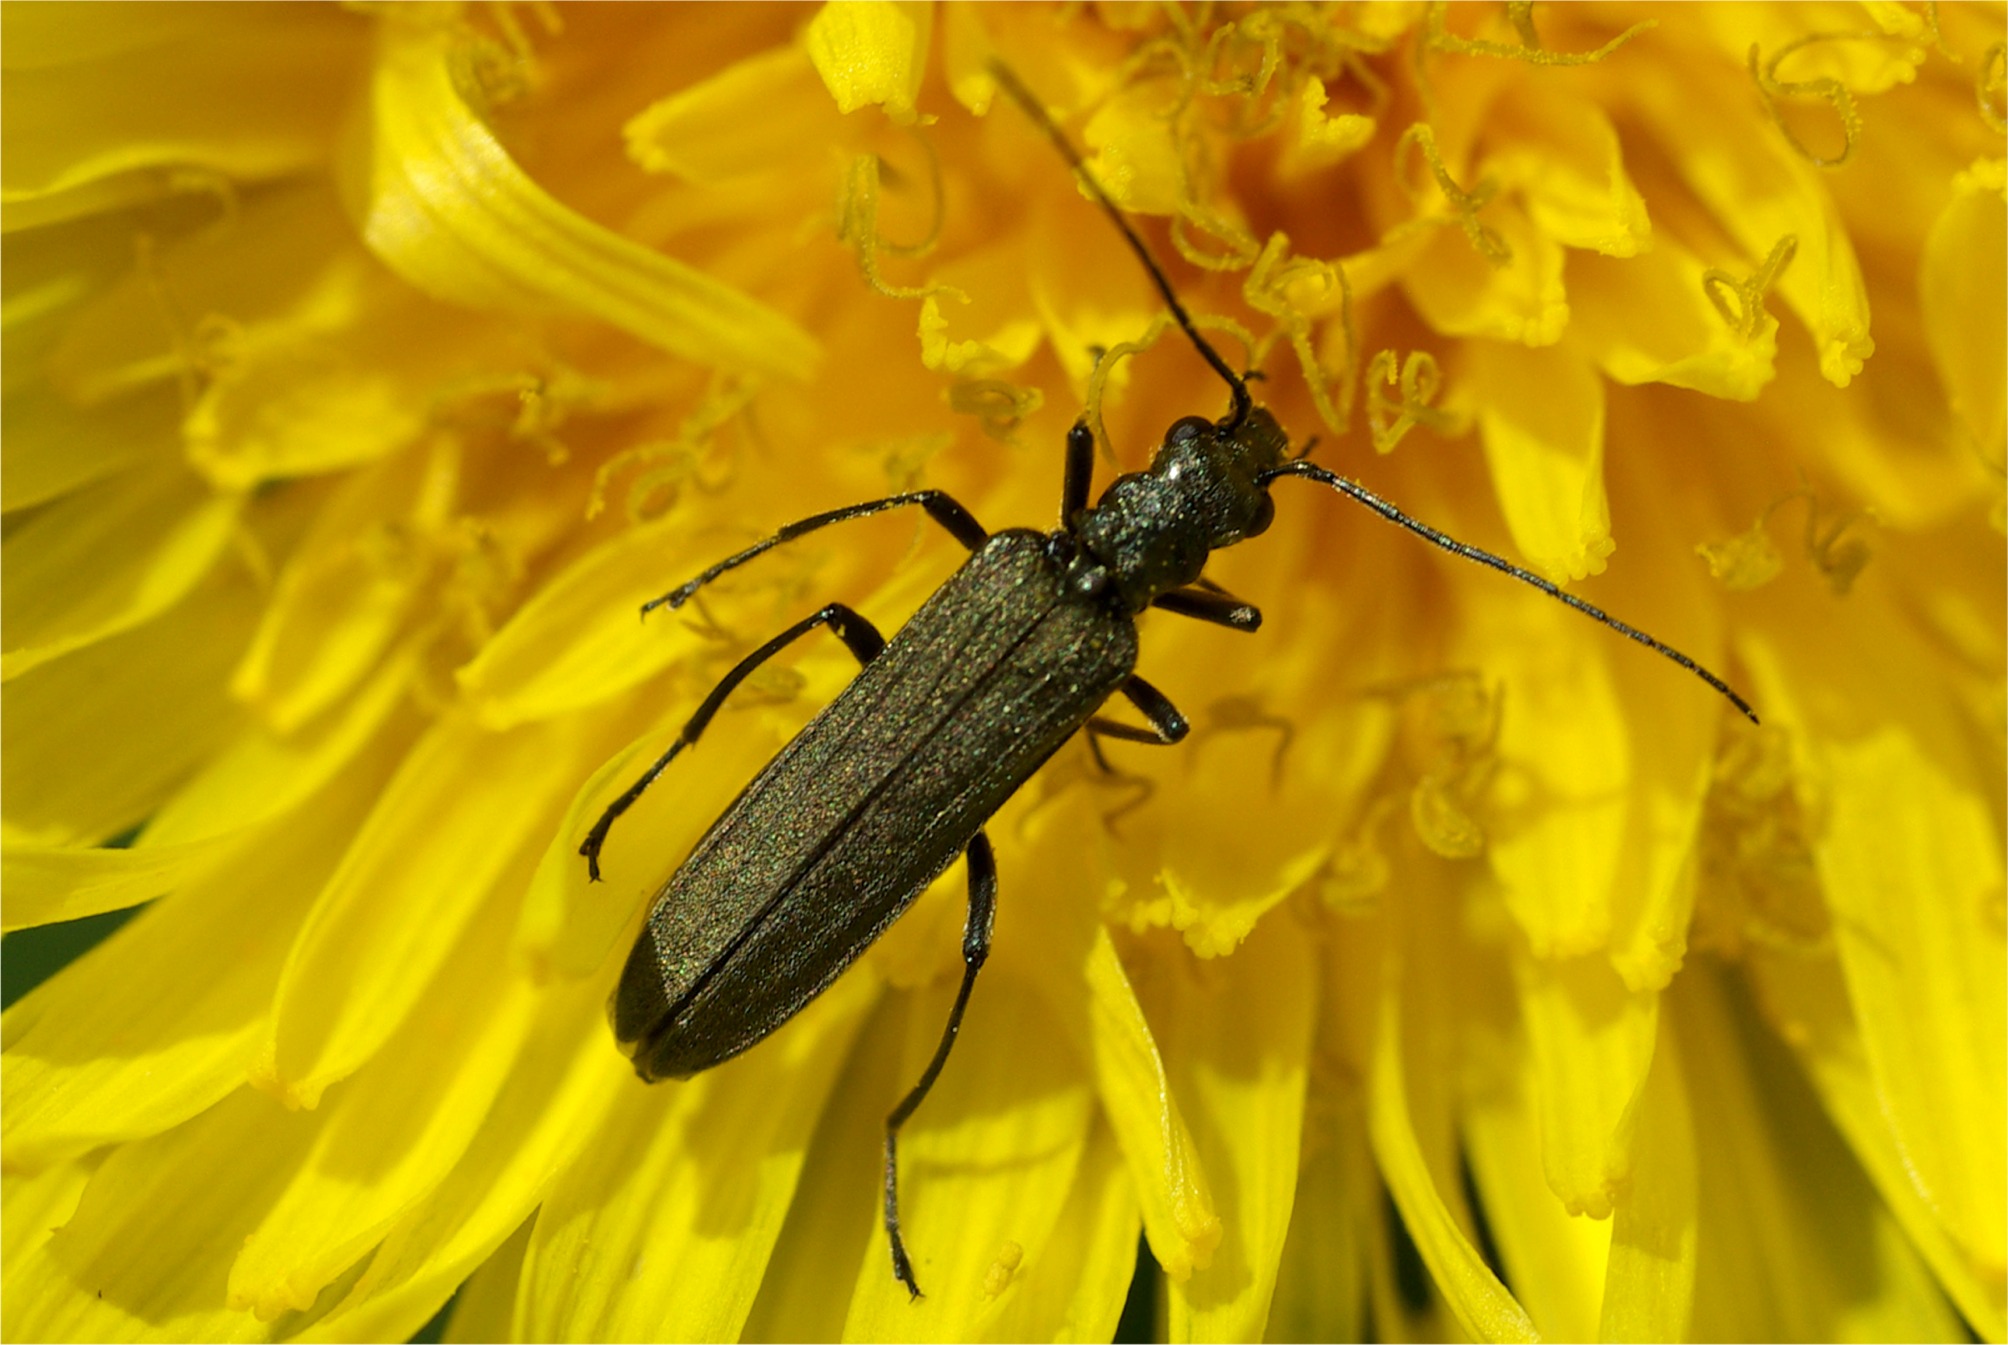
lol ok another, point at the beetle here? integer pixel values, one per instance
(893, 781)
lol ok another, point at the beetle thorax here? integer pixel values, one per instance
(1151, 531)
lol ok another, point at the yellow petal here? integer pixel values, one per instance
(1087, 298)
(1875, 448)
(347, 589)
(1864, 65)
(97, 740)
(1649, 1289)
(1133, 154)
(1187, 864)
(263, 775)
(1911, 862)
(484, 1307)
(1923, 940)
(1652, 900)
(55, 446)
(1794, 1242)
(993, 333)
(1321, 1292)
(282, 267)
(49, 883)
(446, 208)
(1760, 191)
(662, 1226)
(1460, 293)
(104, 559)
(1482, 1305)
(36, 1205)
(1960, 291)
(1649, 319)
(148, 1251)
(1322, 139)
(1571, 175)
(1237, 1034)
(1560, 844)
(1215, 881)
(966, 51)
(177, 1043)
(168, 93)
(987, 1167)
(561, 1084)
(1075, 1289)
(1179, 1215)
(1541, 414)
(580, 638)
(1593, 1045)
(1808, 1001)
(296, 401)
(464, 818)
(570, 924)
(839, 1190)
(757, 116)
(33, 1206)
(871, 51)
(1554, 1260)
(393, 1132)
(1074, 952)
(258, 777)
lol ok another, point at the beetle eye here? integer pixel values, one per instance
(1265, 514)
(1186, 430)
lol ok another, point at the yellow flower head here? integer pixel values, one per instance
(1467, 970)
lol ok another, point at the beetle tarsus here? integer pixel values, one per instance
(902, 1264)
(902, 1269)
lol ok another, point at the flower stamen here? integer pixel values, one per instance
(1419, 380)
(1241, 248)
(1751, 560)
(1122, 350)
(676, 460)
(1992, 78)
(1748, 314)
(1763, 887)
(1358, 870)
(1520, 13)
(999, 407)
(1464, 204)
(1824, 89)
(518, 41)
(857, 228)
(1268, 290)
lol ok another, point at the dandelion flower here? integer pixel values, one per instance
(1467, 972)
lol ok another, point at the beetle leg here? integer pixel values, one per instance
(1211, 604)
(859, 636)
(1167, 726)
(942, 507)
(975, 949)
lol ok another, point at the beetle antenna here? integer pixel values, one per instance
(1022, 96)
(1355, 491)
